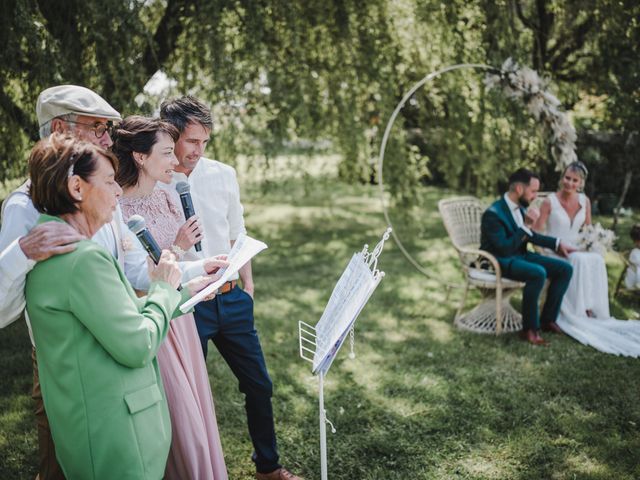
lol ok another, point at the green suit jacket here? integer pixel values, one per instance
(96, 344)
(500, 235)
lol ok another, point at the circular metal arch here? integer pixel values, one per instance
(385, 138)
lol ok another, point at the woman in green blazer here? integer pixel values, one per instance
(96, 341)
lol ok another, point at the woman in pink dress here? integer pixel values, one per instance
(144, 148)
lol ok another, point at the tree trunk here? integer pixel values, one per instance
(625, 189)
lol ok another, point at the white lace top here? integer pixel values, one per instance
(161, 213)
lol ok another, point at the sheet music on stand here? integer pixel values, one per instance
(243, 250)
(349, 296)
(320, 344)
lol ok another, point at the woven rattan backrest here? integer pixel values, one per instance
(461, 217)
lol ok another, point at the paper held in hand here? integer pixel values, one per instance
(244, 249)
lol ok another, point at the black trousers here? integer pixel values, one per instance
(228, 321)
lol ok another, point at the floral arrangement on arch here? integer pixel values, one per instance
(523, 83)
(595, 238)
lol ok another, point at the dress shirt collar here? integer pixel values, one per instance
(516, 212)
(513, 206)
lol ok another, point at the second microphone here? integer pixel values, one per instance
(183, 190)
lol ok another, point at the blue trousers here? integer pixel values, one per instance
(534, 269)
(228, 321)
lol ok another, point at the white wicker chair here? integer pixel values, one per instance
(494, 314)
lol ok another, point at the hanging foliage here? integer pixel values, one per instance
(280, 73)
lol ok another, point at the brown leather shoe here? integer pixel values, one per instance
(532, 337)
(552, 327)
(279, 474)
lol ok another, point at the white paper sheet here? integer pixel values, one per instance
(349, 296)
(244, 249)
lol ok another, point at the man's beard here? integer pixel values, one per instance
(524, 203)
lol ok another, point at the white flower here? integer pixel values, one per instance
(525, 83)
(594, 238)
(509, 64)
(530, 79)
(536, 106)
(492, 80)
(551, 99)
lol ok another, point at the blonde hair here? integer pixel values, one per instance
(579, 168)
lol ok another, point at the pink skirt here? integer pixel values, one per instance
(196, 451)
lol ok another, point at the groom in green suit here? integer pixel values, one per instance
(505, 232)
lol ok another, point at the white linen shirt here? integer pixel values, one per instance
(216, 200)
(19, 216)
(516, 213)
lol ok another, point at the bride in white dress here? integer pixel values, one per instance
(584, 314)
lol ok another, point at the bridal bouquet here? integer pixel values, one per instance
(594, 238)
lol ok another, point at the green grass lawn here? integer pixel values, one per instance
(421, 400)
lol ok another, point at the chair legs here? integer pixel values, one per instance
(463, 301)
(499, 309)
(494, 314)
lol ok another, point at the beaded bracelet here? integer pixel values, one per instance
(179, 252)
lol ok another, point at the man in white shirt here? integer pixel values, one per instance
(227, 320)
(505, 232)
(82, 112)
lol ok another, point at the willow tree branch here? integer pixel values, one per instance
(567, 46)
(28, 126)
(623, 195)
(61, 23)
(525, 21)
(166, 36)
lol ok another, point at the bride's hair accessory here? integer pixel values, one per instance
(578, 165)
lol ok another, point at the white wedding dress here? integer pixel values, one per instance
(588, 290)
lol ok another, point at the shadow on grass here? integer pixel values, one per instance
(18, 443)
(421, 400)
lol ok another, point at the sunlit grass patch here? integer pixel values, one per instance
(421, 399)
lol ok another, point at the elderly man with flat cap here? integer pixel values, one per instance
(85, 114)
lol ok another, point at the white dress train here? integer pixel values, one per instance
(588, 290)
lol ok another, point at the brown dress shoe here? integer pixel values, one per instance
(532, 337)
(552, 327)
(279, 474)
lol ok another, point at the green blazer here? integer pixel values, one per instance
(96, 344)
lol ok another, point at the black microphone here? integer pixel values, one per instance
(187, 205)
(139, 227)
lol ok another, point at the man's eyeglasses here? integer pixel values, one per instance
(98, 129)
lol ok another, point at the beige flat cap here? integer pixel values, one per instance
(63, 99)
